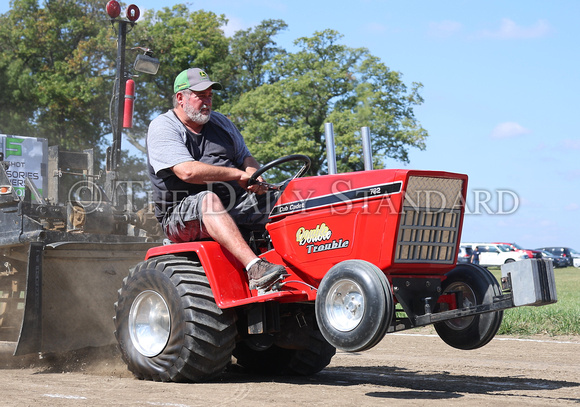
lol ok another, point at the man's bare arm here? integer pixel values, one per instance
(195, 172)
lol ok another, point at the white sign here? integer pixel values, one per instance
(27, 157)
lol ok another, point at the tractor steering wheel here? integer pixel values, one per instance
(281, 185)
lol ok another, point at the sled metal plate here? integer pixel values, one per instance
(71, 291)
(30, 339)
(532, 281)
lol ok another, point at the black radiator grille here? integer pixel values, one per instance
(430, 220)
(427, 237)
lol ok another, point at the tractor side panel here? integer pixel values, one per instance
(403, 221)
(314, 240)
(321, 221)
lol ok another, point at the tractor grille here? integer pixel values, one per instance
(429, 226)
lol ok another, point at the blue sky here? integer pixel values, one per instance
(501, 84)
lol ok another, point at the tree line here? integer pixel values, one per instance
(57, 69)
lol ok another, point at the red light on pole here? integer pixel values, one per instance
(113, 9)
(133, 13)
(129, 100)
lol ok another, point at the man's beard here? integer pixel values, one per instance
(196, 116)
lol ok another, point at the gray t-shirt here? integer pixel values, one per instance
(170, 143)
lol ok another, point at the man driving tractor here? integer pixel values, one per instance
(199, 166)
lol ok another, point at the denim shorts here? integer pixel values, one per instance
(184, 223)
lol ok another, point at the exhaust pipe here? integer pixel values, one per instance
(330, 153)
(367, 151)
(330, 149)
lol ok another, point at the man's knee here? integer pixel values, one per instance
(212, 205)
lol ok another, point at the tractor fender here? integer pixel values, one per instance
(224, 272)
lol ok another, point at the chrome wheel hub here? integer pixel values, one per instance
(149, 323)
(345, 305)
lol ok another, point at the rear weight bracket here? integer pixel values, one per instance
(417, 296)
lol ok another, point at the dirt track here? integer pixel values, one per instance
(403, 370)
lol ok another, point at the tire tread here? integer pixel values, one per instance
(209, 332)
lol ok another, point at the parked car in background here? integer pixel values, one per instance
(532, 254)
(557, 261)
(572, 256)
(493, 254)
(464, 255)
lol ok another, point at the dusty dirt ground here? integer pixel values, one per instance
(413, 369)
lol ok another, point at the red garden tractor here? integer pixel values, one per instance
(366, 253)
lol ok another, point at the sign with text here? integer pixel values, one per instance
(27, 157)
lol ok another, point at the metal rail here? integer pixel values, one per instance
(499, 303)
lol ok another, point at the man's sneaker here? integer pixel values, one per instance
(262, 273)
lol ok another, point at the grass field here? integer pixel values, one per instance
(561, 318)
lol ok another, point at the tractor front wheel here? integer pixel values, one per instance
(168, 325)
(354, 305)
(476, 286)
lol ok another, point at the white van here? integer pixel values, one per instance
(493, 254)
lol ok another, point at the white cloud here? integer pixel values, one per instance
(511, 30)
(572, 207)
(570, 144)
(444, 29)
(508, 130)
(572, 175)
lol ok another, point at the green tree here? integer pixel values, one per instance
(180, 39)
(54, 71)
(328, 82)
(57, 67)
(251, 50)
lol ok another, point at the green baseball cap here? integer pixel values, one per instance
(195, 79)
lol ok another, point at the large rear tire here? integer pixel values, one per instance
(478, 286)
(306, 352)
(168, 325)
(354, 305)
